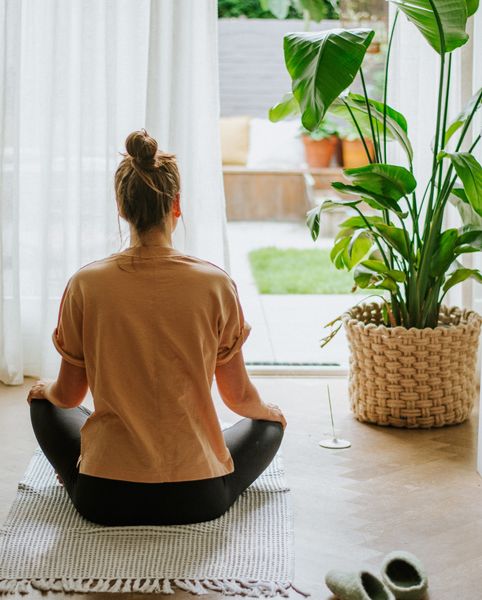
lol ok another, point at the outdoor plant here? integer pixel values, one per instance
(403, 250)
(326, 129)
(314, 10)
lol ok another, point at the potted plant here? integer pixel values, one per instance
(352, 148)
(320, 144)
(412, 359)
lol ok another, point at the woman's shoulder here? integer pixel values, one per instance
(93, 269)
(204, 269)
(209, 271)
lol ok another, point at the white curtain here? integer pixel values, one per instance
(10, 349)
(413, 85)
(76, 78)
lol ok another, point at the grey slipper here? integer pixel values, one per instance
(361, 585)
(404, 575)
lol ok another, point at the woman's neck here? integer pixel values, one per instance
(154, 237)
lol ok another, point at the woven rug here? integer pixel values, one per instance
(45, 544)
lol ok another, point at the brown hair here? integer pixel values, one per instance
(146, 182)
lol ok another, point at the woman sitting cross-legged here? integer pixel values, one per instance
(147, 329)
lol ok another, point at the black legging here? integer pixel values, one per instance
(253, 445)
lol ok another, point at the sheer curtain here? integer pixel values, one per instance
(10, 349)
(78, 76)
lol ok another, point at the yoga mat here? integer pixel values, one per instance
(46, 545)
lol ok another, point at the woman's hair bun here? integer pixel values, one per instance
(141, 146)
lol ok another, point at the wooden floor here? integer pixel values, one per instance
(411, 490)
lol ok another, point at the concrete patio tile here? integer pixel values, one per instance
(259, 346)
(285, 328)
(295, 324)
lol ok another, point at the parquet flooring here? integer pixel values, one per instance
(413, 490)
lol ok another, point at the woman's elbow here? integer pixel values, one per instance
(70, 401)
(71, 386)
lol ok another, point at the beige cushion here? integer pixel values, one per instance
(234, 140)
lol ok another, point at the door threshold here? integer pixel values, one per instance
(296, 369)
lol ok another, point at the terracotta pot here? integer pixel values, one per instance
(354, 154)
(413, 378)
(374, 48)
(319, 152)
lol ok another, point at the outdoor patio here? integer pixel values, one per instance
(285, 328)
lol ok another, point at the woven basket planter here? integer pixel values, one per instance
(412, 377)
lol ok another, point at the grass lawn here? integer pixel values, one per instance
(294, 271)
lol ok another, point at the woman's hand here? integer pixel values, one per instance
(276, 413)
(40, 390)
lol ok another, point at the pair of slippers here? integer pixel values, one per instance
(403, 577)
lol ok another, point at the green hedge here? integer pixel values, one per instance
(248, 8)
(251, 9)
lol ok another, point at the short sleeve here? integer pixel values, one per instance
(234, 329)
(67, 336)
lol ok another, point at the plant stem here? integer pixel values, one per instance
(444, 120)
(427, 187)
(377, 128)
(445, 192)
(395, 307)
(476, 141)
(431, 226)
(385, 86)
(448, 182)
(430, 208)
(375, 235)
(375, 142)
(412, 209)
(446, 107)
(468, 122)
(370, 159)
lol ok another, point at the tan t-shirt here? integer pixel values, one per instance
(150, 325)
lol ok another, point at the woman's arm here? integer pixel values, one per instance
(240, 395)
(68, 391)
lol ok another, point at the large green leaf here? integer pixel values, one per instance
(360, 245)
(379, 266)
(287, 107)
(395, 121)
(390, 181)
(461, 275)
(360, 222)
(313, 216)
(470, 173)
(338, 254)
(472, 7)
(373, 199)
(367, 278)
(396, 238)
(321, 66)
(441, 22)
(474, 104)
(469, 217)
(444, 255)
(469, 236)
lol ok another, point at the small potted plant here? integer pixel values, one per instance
(321, 143)
(353, 151)
(413, 358)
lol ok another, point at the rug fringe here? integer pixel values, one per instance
(229, 587)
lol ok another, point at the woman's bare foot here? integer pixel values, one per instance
(60, 480)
